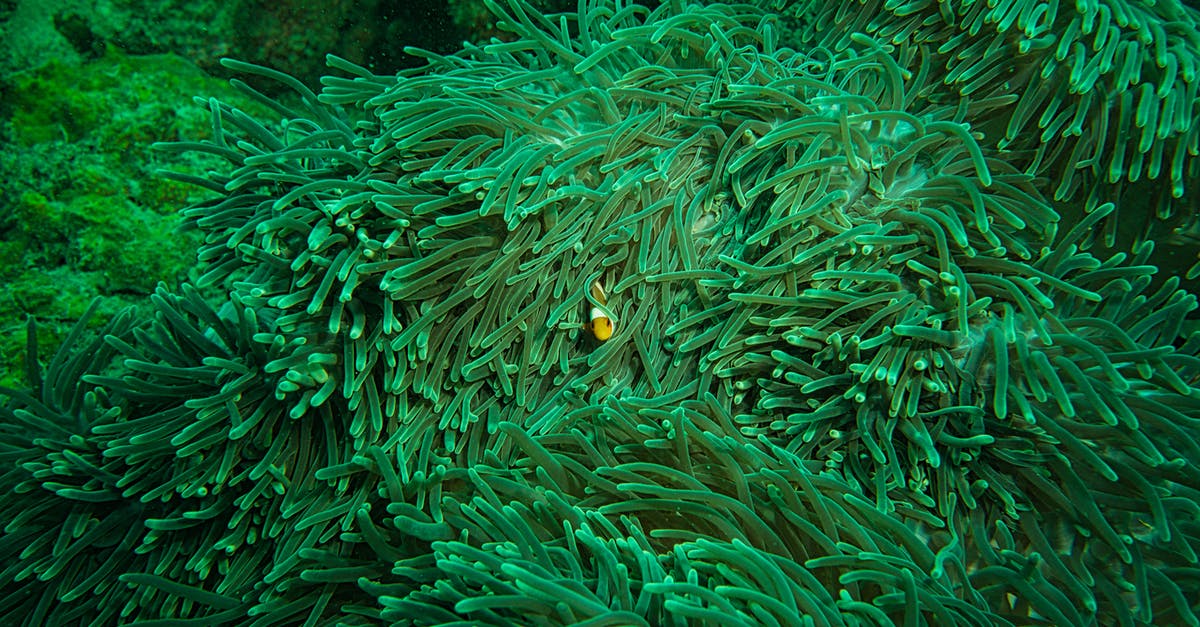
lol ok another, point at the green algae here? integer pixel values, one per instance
(88, 217)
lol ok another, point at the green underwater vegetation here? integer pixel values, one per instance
(863, 370)
(85, 214)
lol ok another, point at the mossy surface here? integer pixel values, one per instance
(120, 102)
(87, 216)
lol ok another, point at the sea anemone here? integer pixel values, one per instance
(858, 374)
(1099, 95)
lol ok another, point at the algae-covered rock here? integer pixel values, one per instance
(86, 215)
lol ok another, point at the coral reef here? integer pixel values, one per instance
(72, 32)
(279, 34)
(862, 371)
(87, 215)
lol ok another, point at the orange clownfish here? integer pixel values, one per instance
(599, 323)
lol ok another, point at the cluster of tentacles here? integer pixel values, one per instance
(859, 373)
(1102, 97)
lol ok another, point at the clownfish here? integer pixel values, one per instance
(599, 323)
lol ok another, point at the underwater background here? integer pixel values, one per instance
(599, 313)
